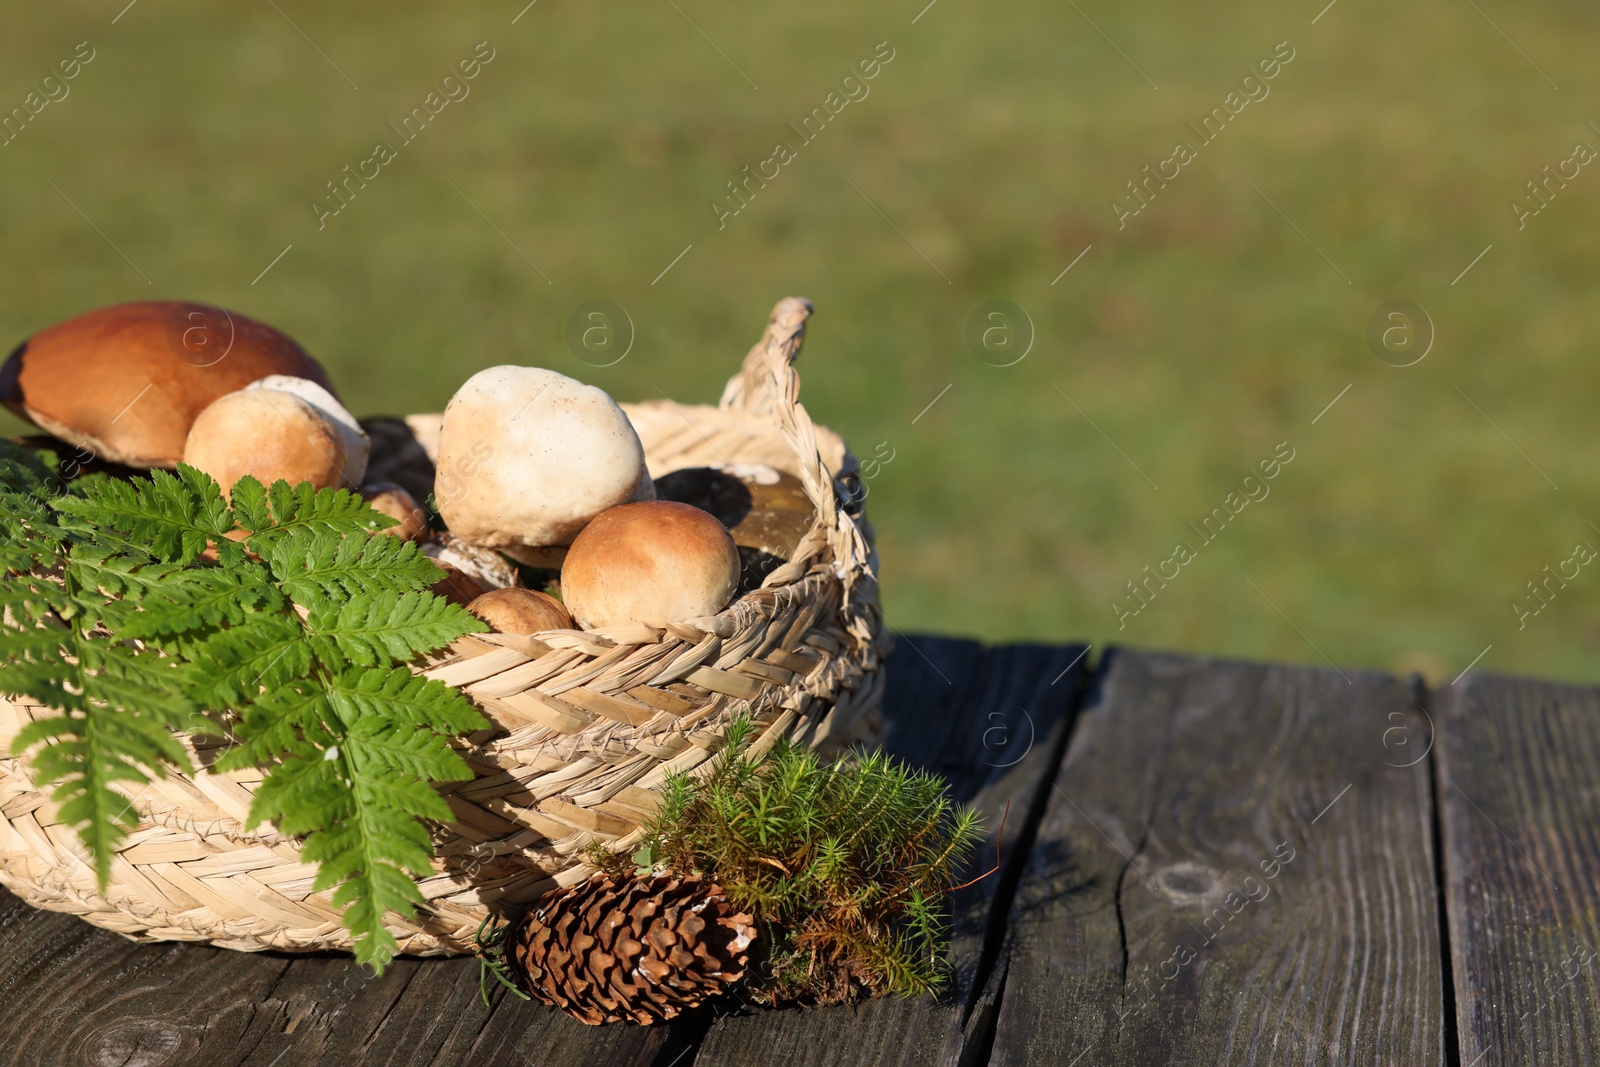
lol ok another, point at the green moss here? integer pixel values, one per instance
(845, 865)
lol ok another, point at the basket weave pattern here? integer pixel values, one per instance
(587, 725)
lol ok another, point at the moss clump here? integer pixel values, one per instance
(846, 866)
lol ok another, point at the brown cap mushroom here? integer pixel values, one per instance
(126, 382)
(654, 562)
(455, 586)
(267, 434)
(357, 446)
(521, 611)
(527, 457)
(389, 499)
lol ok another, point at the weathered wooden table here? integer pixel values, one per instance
(1204, 862)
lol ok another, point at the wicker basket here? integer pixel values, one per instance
(587, 724)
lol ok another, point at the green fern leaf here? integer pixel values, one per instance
(110, 615)
(200, 600)
(26, 602)
(404, 699)
(285, 721)
(237, 664)
(328, 566)
(173, 516)
(30, 533)
(117, 714)
(249, 499)
(290, 508)
(358, 809)
(368, 630)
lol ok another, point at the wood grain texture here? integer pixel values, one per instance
(1519, 797)
(1230, 872)
(993, 722)
(75, 994)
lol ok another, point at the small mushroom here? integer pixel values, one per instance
(389, 499)
(654, 562)
(520, 611)
(456, 586)
(125, 383)
(528, 457)
(357, 446)
(268, 434)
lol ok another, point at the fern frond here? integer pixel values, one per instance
(404, 699)
(359, 819)
(329, 566)
(115, 723)
(200, 601)
(272, 513)
(26, 602)
(175, 517)
(110, 615)
(368, 630)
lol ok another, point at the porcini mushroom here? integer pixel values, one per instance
(521, 611)
(267, 434)
(389, 499)
(527, 457)
(655, 562)
(357, 446)
(125, 383)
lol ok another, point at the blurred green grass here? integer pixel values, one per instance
(1196, 339)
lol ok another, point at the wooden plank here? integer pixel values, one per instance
(75, 994)
(1231, 870)
(1519, 799)
(994, 724)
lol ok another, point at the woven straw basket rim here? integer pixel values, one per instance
(587, 725)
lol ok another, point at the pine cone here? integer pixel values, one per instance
(646, 949)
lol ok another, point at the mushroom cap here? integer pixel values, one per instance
(389, 499)
(654, 562)
(521, 611)
(126, 382)
(267, 434)
(527, 457)
(357, 446)
(456, 586)
(763, 508)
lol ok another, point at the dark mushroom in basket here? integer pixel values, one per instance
(766, 511)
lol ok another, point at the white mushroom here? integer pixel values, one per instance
(527, 457)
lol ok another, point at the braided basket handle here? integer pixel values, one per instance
(768, 385)
(759, 386)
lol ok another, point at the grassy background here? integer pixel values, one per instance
(1197, 338)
